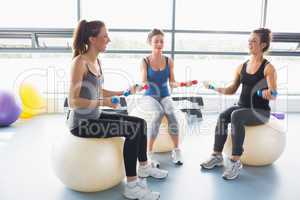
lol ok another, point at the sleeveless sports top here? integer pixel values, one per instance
(90, 89)
(250, 84)
(158, 80)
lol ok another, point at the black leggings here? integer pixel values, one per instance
(238, 117)
(109, 125)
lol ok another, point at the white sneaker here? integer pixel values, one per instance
(151, 159)
(149, 170)
(214, 161)
(233, 170)
(139, 190)
(176, 156)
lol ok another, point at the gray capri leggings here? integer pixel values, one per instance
(166, 107)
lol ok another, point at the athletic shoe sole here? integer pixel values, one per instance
(213, 166)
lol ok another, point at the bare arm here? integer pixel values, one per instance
(172, 82)
(233, 87)
(109, 93)
(143, 70)
(271, 77)
(77, 72)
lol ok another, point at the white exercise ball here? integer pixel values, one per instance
(88, 164)
(263, 144)
(164, 142)
(149, 109)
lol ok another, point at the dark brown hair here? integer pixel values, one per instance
(154, 32)
(82, 33)
(265, 36)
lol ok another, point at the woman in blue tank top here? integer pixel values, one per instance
(256, 74)
(158, 73)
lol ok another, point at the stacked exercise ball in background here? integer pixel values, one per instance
(10, 109)
(32, 101)
(32, 104)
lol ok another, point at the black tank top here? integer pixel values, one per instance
(250, 84)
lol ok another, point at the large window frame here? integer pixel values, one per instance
(35, 36)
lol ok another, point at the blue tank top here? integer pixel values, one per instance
(158, 80)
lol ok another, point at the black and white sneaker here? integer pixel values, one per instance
(152, 160)
(139, 190)
(214, 161)
(233, 170)
(176, 157)
(151, 171)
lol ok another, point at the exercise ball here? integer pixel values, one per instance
(25, 115)
(32, 101)
(263, 144)
(164, 142)
(9, 109)
(88, 164)
(149, 109)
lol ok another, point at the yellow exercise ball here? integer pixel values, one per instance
(263, 144)
(88, 164)
(32, 101)
(25, 115)
(149, 109)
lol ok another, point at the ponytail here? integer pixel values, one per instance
(82, 33)
(79, 42)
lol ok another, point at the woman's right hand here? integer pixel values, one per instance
(206, 84)
(209, 85)
(134, 89)
(267, 94)
(108, 102)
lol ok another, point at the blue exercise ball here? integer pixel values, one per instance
(10, 110)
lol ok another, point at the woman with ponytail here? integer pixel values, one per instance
(87, 120)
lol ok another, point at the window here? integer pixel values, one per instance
(212, 42)
(43, 70)
(15, 43)
(285, 46)
(129, 14)
(134, 41)
(288, 73)
(283, 16)
(37, 13)
(219, 69)
(218, 15)
(55, 42)
(122, 69)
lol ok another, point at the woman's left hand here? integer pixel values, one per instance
(133, 89)
(189, 84)
(174, 84)
(267, 94)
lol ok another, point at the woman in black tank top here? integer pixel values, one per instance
(255, 74)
